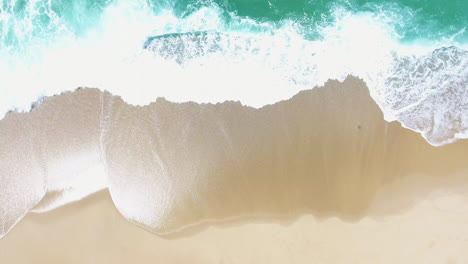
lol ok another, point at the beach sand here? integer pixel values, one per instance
(318, 178)
(434, 230)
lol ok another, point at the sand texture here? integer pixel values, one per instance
(318, 178)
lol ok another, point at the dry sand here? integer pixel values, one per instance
(434, 230)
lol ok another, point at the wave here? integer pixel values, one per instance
(259, 55)
(173, 165)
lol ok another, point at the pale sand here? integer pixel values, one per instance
(435, 230)
(371, 191)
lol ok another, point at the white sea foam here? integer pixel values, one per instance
(257, 64)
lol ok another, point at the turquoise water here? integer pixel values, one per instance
(22, 20)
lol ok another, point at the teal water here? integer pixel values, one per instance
(23, 20)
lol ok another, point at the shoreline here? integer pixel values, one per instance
(169, 166)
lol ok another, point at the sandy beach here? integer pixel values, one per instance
(433, 230)
(318, 178)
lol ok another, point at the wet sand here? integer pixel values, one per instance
(319, 177)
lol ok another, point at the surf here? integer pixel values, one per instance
(257, 53)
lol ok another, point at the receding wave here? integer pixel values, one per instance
(325, 151)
